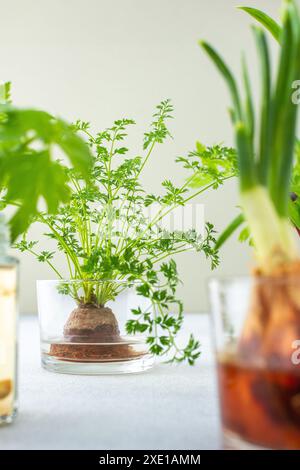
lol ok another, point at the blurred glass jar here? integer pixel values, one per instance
(256, 325)
(8, 329)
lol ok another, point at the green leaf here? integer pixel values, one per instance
(5, 92)
(210, 165)
(27, 174)
(159, 131)
(232, 227)
(228, 76)
(22, 124)
(249, 107)
(271, 25)
(246, 163)
(75, 148)
(200, 147)
(285, 112)
(294, 212)
(266, 106)
(28, 178)
(244, 235)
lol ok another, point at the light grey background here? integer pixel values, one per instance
(100, 60)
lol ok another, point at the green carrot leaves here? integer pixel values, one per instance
(104, 231)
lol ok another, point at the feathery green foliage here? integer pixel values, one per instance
(105, 234)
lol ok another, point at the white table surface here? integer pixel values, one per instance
(168, 407)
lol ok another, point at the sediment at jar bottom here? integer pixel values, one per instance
(260, 406)
(273, 321)
(6, 398)
(5, 388)
(92, 324)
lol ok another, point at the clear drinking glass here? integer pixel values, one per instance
(256, 325)
(82, 327)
